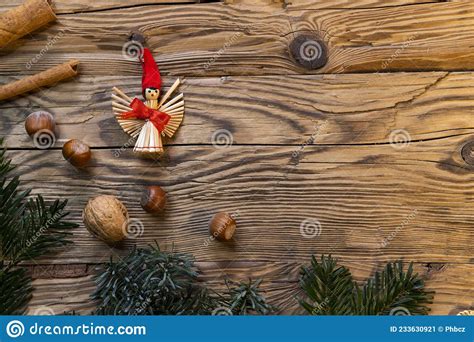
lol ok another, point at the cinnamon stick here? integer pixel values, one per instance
(42, 79)
(23, 19)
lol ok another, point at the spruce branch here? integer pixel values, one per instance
(331, 290)
(28, 229)
(328, 286)
(393, 288)
(15, 290)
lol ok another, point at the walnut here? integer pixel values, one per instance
(106, 218)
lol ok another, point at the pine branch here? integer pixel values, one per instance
(328, 286)
(332, 290)
(247, 299)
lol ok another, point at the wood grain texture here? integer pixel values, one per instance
(81, 6)
(68, 7)
(311, 150)
(360, 195)
(453, 284)
(219, 39)
(333, 109)
(354, 4)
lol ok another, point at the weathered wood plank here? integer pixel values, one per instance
(372, 202)
(339, 109)
(220, 39)
(66, 6)
(350, 4)
(453, 284)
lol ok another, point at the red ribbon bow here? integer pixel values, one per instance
(142, 112)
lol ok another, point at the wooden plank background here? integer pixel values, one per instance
(306, 145)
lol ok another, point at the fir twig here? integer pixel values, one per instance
(331, 290)
(28, 229)
(151, 282)
(245, 298)
(329, 287)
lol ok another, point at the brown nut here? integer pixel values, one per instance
(153, 199)
(222, 226)
(106, 218)
(77, 153)
(40, 121)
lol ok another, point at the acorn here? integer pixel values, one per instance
(77, 153)
(153, 199)
(39, 121)
(222, 226)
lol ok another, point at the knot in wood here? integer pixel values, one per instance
(137, 36)
(467, 153)
(309, 51)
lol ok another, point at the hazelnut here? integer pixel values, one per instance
(40, 121)
(222, 226)
(153, 199)
(106, 218)
(76, 152)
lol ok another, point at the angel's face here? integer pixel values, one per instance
(152, 93)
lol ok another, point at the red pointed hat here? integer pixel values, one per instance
(151, 74)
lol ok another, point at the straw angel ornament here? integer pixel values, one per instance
(153, 119)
